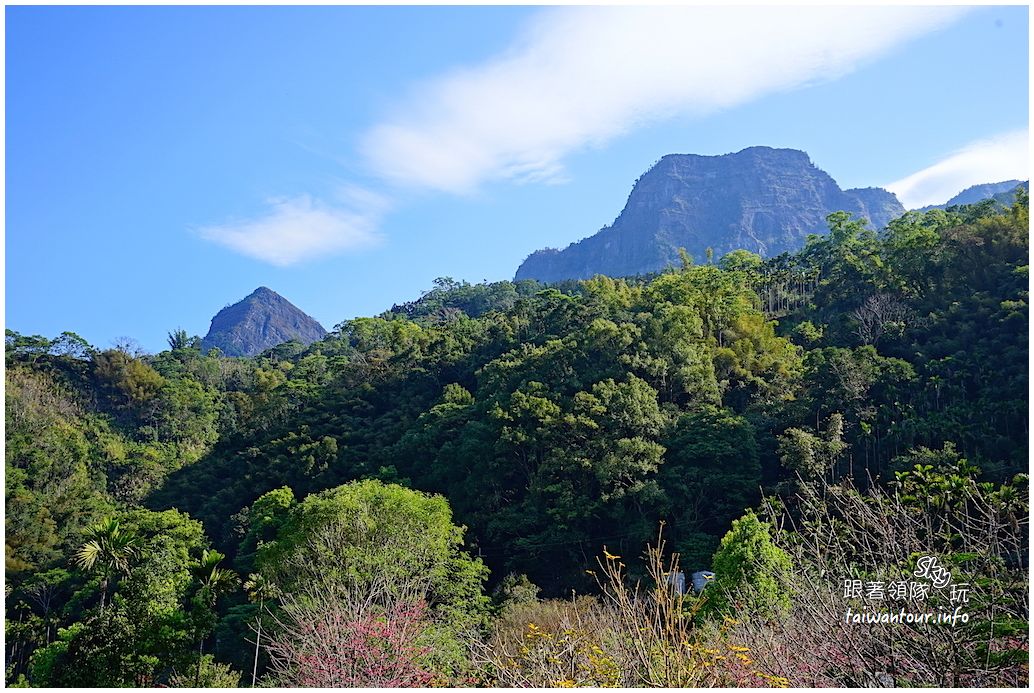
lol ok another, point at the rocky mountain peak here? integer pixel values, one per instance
(761, 199)
(261, 320)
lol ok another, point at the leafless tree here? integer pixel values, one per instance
(840, 534)
(880, 314)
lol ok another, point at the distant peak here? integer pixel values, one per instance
(263, 291)
(261, 320)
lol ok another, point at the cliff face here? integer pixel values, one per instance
(258, 322)
(760, 199)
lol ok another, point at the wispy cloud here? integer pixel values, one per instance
(578, 77)
(1002, 157)
(301, 228)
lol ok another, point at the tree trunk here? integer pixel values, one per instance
(258, 639)
(200, 654)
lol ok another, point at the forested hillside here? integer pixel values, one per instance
(166, 511)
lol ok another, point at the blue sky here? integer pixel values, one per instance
(163, 162)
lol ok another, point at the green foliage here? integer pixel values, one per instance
(711, 474)
(209, 674)
(554, 420)
(52, 486)
(748, 568)
(382, 544)
(264, 520)
(812, 456)
(450, 299)
(515, 589)
(162, 605)
(108, 548)
(368, 534)
(128, 382)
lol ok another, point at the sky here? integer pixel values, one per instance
(163, 162)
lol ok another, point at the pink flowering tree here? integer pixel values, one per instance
(331, 645)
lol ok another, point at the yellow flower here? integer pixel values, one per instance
(609, 556)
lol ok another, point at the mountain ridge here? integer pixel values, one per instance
(978, 193)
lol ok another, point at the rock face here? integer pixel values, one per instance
(979, 193)
(760, 199)
(258, 322)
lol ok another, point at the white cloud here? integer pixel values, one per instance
(579, 77)
(1003, 157)
(576, 78)
(302, 228)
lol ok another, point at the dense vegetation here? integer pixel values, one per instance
(190, 519)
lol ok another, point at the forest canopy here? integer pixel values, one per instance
(492, 439)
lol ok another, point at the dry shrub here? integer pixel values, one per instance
(629, 636)
(553, 643)
(633, 636)
(977, 532)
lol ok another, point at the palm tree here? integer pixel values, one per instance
(109, 550)
(212, 581)
(259, 590)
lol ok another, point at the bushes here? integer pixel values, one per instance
(781, 611)
(975, 532)
(629, 636)
(375, 589)
(749, 569)
(334, 644)
(554, 643)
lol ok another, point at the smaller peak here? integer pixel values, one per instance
(263, 291)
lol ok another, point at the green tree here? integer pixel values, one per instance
(152, 624)
(747, 567)
(376, 537)
(109, 550)
(212, 581)
(812, 456)
(372, 543)
(259, 590)
(711, 472)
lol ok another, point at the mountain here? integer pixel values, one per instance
(978, 193)
(260, 321)
(760, 199)
(1008, 197)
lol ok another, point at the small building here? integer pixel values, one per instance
(701, 579)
